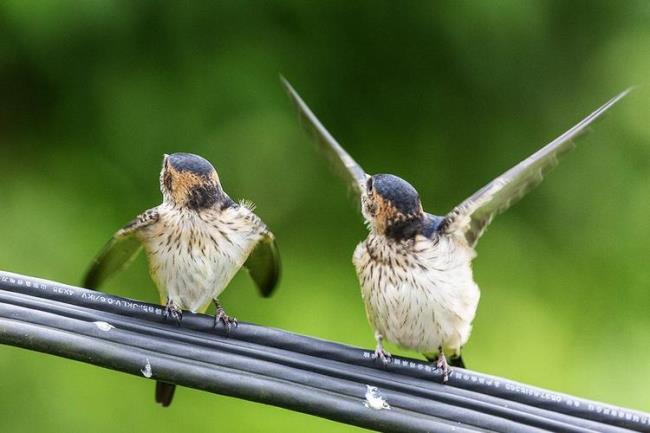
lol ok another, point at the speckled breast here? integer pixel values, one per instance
(193, 257)
(418, 293)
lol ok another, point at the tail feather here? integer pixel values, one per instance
(457, 361)
(454, 361)
(165, 393)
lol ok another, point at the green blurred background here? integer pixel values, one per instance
(445, 94)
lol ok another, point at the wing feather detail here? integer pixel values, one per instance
(263, 264)
(344, 165)
(119, 251)
(472, 216)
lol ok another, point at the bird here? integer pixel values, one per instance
(415, 268)
(195, 241)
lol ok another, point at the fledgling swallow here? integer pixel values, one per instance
(195, 242)
(414, 268)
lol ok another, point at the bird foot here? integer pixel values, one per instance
(441, 364)
(382, 355)
(172, 311)
(227, 321)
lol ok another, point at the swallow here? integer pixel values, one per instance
(195, 242)
(415, 268)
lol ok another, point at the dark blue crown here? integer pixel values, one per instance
(190, 162)
(397, 191)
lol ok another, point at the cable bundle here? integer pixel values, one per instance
(274, 367)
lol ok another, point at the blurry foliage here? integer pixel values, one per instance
(445, 94)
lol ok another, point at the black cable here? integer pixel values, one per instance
(218, 380)
(478, 400)
(331, 369)
(249, 365)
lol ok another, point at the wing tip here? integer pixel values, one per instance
(620, 96)
(272, 283)
(284, 80)
(90, 279)
(289, 89)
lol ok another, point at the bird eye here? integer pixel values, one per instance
(369, 184)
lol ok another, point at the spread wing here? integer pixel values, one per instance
(344, 165)
(119, 252)
(263, 264)
(471, 217)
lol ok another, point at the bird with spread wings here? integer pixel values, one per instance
(414, 268)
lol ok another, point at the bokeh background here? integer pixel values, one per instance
(445, 94)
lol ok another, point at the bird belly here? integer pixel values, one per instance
(421, 297)
(193, 280)
(193, 262)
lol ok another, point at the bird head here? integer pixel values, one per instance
(392, 206)
(188, 180)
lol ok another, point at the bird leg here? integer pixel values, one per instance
(173, 311)
(221, 316)
(380, 353)
(441, 364)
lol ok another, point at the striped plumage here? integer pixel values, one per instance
(193, 255)
(419, 293)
